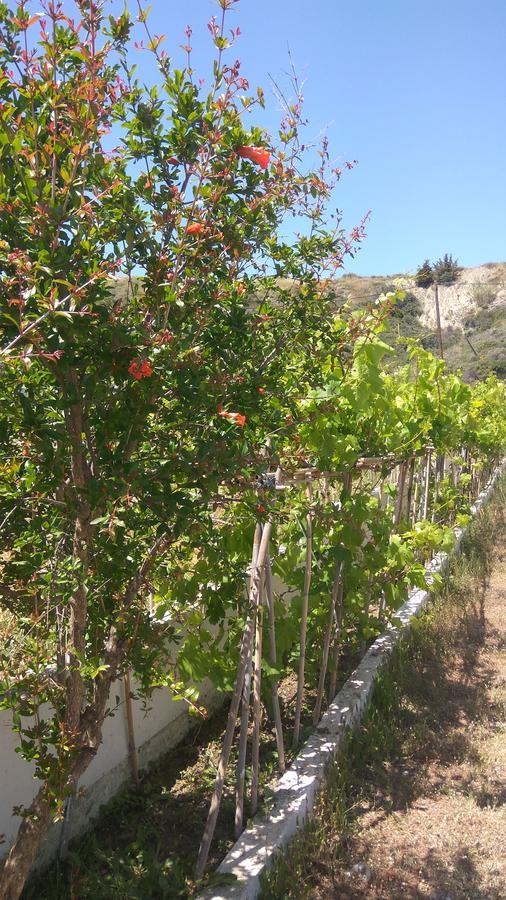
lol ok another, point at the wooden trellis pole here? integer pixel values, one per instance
(438, 471)
(243, 745)
(366, 611)
(257, 705)
(410, 488)
(276, 710)
(337, 639)
(416, 491)
(326, 642)
(401, 482)
(339, 611)
(332, 621)
(243, 734)
(132, 748)
(234, 703)
(303, 617)
(426, 486)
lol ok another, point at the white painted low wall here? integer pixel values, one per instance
(157, 729)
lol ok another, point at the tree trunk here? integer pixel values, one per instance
(25, 849)
(83, 726)
(39, 816)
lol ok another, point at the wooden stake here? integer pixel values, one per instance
(416, 493)
(426, 486)
(257, 706)
(400, 493)
(243, 734)
(276, 710)
(439, 468)
(337, 640)
(234, 705)
(132, 749)
(243, 745)
(303, 619)
(409, 495)
(346, 487)
(326, 643)
(381, 608)
(366, 612)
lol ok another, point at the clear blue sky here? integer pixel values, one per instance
(413, 89)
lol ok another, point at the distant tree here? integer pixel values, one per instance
(424, 274)
(446, 269)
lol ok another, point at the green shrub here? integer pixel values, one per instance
(484, 295)
(446, 269)
(424, 275)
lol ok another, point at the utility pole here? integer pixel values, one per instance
(440, 460)
(438, 321)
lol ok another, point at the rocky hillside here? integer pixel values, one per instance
(473, 314)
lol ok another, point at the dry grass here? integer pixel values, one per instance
(416, 808)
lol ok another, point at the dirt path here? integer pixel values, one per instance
(431, 822)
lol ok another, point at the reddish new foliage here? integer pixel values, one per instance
(165, 337)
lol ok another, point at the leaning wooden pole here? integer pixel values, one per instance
(438, 472)
(339, 613)
(326, 643)
(246, 641)
(367, 605)
(399, 500)
(337, 640)
(410, 489)
(426, 492)
(303, 619)
(339, 609)
(276, 709)
(245, 704)
(329, 630)
(132, 748)
(416, 493)
(243, 746)
(257, 704)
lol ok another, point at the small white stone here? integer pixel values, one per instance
(363, 871)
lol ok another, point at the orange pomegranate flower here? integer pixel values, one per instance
(258, 155)
(236, 417)
(140, 369)
(146, 369)
(195, 228)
